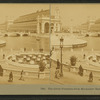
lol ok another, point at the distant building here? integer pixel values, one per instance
(86, 27)
(8, 24)
(38, 22)
(5, 26)
(96, 26)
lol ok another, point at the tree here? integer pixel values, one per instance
(73, 60)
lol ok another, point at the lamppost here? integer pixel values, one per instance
(38, 39)
(61, 46)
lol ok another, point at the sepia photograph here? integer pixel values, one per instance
(49, 47)
(24, 44)
(75, 38)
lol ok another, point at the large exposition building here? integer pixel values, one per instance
(38, 22)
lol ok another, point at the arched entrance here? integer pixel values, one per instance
(46, 28)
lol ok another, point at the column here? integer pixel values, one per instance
(54, 27)
(42, 27)
(58, 29)
(38, 28)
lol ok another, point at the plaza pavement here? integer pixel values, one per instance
(72, 77)
(68, 78)
(4, 80)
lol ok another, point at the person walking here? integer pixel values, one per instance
(90, 77)
(10, 77)
(22, 78)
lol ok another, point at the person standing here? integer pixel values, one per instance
(24, 49)
(3, 56)
(84, 56)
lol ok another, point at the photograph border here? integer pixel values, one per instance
(4, 91)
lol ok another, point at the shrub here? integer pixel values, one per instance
(41, 69)
(73, 60)
(41, 66)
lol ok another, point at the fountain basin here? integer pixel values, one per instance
(30, 60)
(94, 60)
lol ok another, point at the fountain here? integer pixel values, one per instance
(30, 60)
(94, 60)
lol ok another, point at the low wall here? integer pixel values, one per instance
(27, 74)
(72, 46)
(79, 45)
(73, 69)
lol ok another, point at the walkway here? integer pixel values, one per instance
(73, 77)
(4, 80)
(70, 78)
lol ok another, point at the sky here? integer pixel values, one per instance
(13, 11)
(77, 12)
